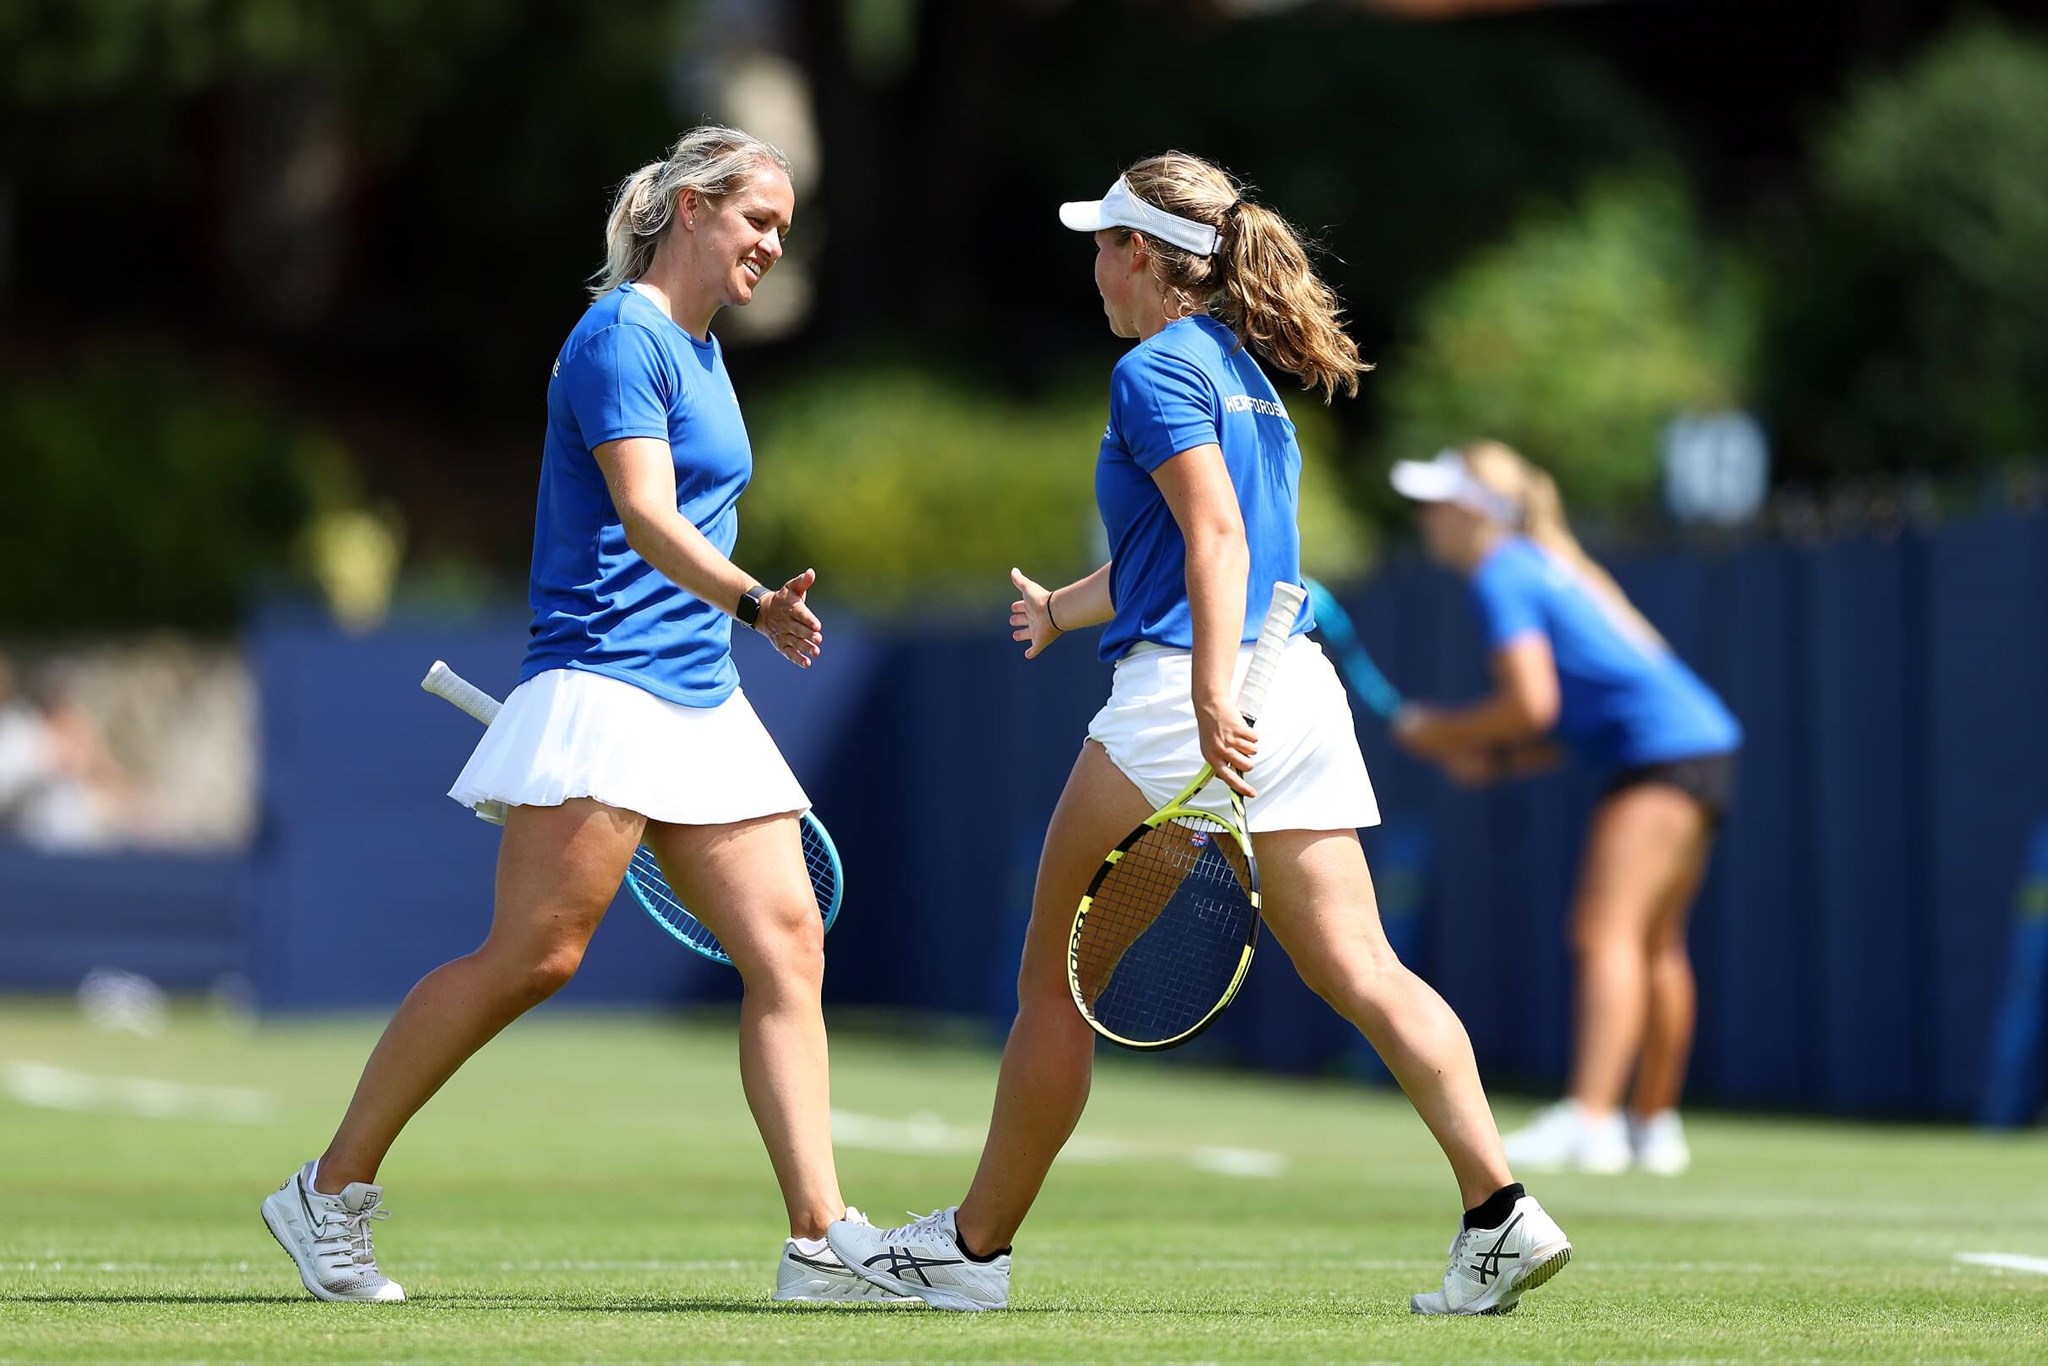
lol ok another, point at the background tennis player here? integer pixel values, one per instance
(1577, 668)
(628, 722)
(1198, 480)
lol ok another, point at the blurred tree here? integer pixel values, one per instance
(1912, 319)
(951, 132)
(287, 163)
(140, 495)
(892, 482)
(1577, 339)
(297, 94)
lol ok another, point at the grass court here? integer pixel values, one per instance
(590, 1188)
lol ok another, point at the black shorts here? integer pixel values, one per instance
(1708, 779)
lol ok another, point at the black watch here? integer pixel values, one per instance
(749, 609)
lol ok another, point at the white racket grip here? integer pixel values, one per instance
(450, 686)
(443, 682)
(1273, 637)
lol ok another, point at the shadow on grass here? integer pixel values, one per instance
(88, 1297)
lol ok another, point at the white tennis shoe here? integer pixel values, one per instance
(1491, 1268)
(328, 1237)
(1568, 1137)
(924, 1259)
(819, 1277)
(1659, 1143)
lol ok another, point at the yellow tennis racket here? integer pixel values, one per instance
(1163, 939)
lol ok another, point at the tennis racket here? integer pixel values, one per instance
(643, 874)
(1163, 939)
(1333, 624)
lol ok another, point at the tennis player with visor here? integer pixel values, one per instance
(1579, 671)
(1198, 481)
(629, 724)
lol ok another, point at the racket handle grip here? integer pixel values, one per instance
(443, 682)
(1279, 625)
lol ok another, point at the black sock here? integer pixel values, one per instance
(971, 1255)
(1497, 1208)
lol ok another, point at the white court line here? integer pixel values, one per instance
(1237, 1162)
(58, 1088)
(926, 1132)
(2006, 1261)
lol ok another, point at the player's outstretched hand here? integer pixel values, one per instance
(1471, 767)
(1030, 618)
(788, 622)
(1414, 729)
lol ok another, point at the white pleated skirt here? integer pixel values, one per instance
(1308, 772)
(570, 733)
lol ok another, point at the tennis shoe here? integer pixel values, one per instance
(1659, 1143)
(1491, 1268)
(924, 1259)
(819, 1277)
(1569, 1137)
(328, 1237)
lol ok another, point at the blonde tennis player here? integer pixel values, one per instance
(629, 724)
(1198, 481)
(1577, 669)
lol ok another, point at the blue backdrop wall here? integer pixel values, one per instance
(1852, 937)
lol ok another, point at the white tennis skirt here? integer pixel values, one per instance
(571, 733)
(1308, 771)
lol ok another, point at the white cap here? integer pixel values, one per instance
(1448, 479)
(1122, 209)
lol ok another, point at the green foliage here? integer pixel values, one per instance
(143, 492)
(62, 51)
(1576, 339)
(1914, 326)
(892, 482)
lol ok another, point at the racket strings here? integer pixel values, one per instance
(821, 865)
(1166, 931)
(651, 887)
(661, 900)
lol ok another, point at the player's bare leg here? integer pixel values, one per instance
(748, 884)
(558, 869)
(1319, 902)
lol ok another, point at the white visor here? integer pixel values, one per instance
(1122, 209)
(1447, 479)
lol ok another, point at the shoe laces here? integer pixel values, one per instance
(345, 1234)
(1457, 1254)
(929, 1229)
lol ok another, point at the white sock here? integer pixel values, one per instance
(810, 1247)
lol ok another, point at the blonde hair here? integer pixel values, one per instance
(1540, 517)
(1259, 282)
(712, 160)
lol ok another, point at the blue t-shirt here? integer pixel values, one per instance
(1624, 700)
(627, 370)
(1190, 384)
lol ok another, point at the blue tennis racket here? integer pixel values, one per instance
(1333, 624)
(643, 875)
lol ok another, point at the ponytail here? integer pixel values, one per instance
(1277, 304)
(634, 228)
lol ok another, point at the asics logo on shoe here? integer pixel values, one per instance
(1488, 1265)
(902, 1259)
